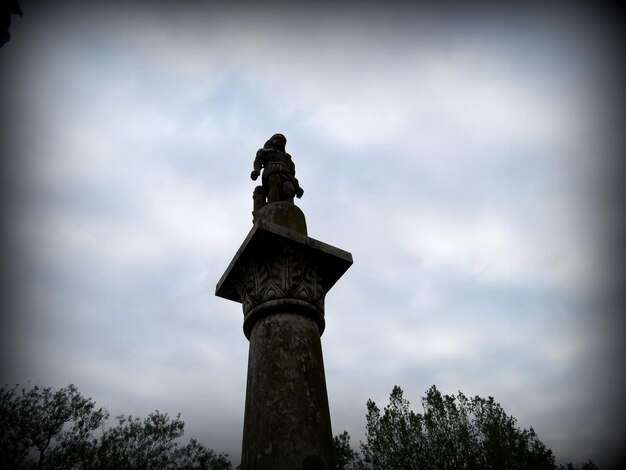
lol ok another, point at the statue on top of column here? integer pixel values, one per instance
(279, 182)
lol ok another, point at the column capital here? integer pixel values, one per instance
(280, 270)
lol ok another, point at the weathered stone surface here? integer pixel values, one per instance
(287, 420)
(281, 277)
(284, 214)
(275, 266)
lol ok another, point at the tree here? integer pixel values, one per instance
(39, 426)
(452, 433)
(152, 444)
(195, 456)
(345, 457)
(589, 465)
(44, 429)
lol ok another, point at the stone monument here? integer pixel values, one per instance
(281, 277)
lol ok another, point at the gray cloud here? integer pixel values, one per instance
(461, 158)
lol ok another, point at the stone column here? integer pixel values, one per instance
(281, 277)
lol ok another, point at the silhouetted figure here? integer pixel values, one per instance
(279, 174)
(7, 8)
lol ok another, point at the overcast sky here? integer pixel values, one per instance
(462, 156)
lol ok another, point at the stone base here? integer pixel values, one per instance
(284, 214)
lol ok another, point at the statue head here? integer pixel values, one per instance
(276, 142)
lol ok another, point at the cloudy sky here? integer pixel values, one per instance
(464, 158)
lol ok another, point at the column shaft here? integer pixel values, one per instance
(287, 420)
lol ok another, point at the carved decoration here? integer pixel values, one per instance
(285, 274)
